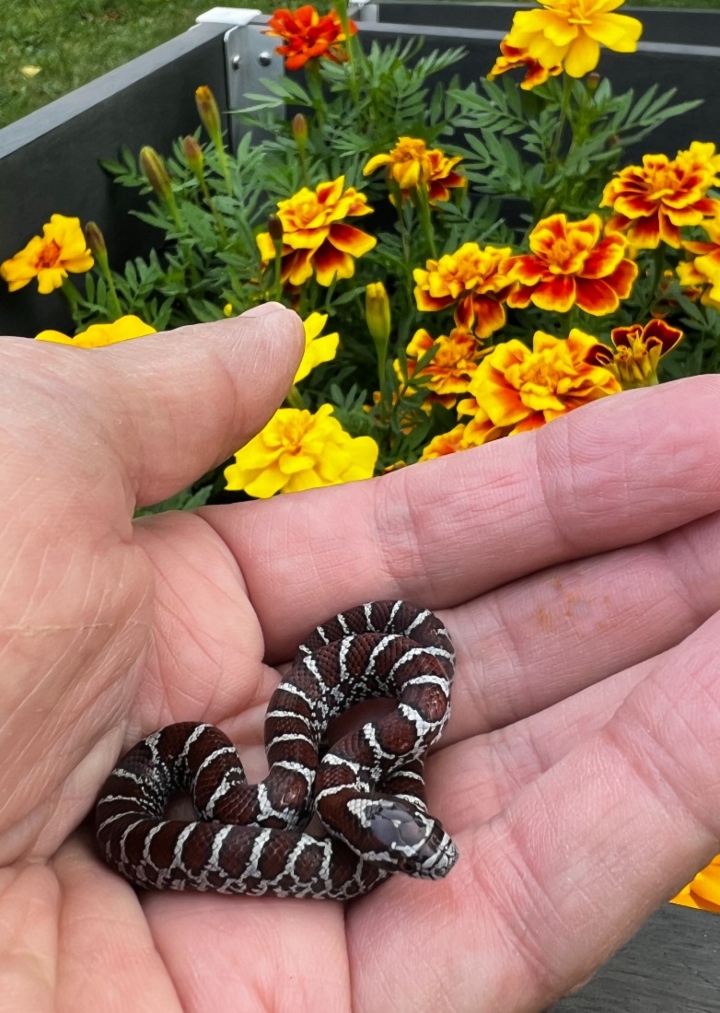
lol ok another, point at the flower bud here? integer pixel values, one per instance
(95, 240)
(300, 131)
(209, 114)
(153, 168)
(275, 228)
(377, 317)
(193, 154)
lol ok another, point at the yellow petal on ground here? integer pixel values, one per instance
(30, 71)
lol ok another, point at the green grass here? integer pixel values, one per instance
(73, 41)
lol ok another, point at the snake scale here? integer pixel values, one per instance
(366, 792)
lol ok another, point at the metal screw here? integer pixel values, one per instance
(265, 59)
(235, 63)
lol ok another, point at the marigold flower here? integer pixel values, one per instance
(412, 164)
(62, 248)
(638, 351)
(452, 366)
(704, 890)
(476, 280)
(478, 431)
(570, 32)
(99, 335)
(519, 390)
(653, 200)
(512, 57)
(308, 35)
(704, 270)
(570, 264)
(296, 451)
(314, 235)
(319, 347)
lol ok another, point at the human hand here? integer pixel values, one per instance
(579, 773)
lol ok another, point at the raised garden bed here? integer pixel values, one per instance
(49, 163)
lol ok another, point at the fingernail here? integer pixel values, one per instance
(265, 310)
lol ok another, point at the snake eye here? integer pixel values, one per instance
(397, 829)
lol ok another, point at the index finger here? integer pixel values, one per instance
(613, 473)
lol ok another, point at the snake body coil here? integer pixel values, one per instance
(367, 789)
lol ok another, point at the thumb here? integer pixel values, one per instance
(175, 405)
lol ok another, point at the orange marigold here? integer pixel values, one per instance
(308, 35)
(704, 890)
(314, 237)
(518, 389)
(570, 264)
(453, 364)
(653, 200)
(513, 57)
(412, 164)
(464, 436)
(476, 280)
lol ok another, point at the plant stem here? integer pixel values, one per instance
(553, 163)
(423, 206)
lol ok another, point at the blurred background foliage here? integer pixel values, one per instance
(50, 47)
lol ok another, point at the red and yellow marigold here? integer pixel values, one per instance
(315, 239)
(475, 281)
(62, 248)
(100, 335)
(452, 366)
(411, 164)
(704, 269)
(513, 57)
(571, 264)
(638, 351)
(308, 35)
(570, 33)
(519, 390)
(652, 201)
(297, 450)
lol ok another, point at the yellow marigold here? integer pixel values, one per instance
(99, 335)
(412, 164)
(315, 239)
(319, 347)
(703, 891)
(519, 390)
(476, 280)
(61, 248)
(570, 32)
(452, 366)
(569, 264)
(513, 57)
(704, 270)
(654, 200)
(296, 451)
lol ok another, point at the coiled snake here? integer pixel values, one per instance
(367, 789)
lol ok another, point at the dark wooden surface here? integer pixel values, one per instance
(672, 965)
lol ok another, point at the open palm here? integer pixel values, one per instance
(580, 771)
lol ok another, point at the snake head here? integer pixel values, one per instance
(408, 840)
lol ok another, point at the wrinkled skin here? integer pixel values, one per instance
(575, 568)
